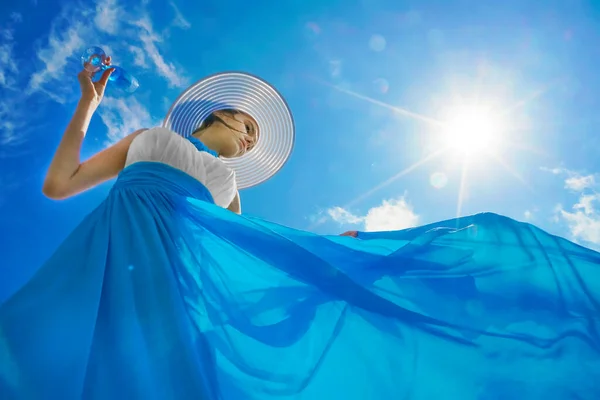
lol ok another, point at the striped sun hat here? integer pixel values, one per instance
(255, 97)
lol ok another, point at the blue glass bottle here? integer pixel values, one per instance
(94, 60)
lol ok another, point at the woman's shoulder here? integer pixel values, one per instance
(158, 133)
(160, 144)
(161, 139)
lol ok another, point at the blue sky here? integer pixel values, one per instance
(368, 82)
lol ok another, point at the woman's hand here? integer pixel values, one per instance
(350, 233)
(91, 91)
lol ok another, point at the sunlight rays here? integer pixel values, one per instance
(521, 103)
(400, 174)
(397, 110)
(470, 130)
(511, 171)
(461, 190)
(383, 184)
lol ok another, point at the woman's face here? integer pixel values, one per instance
(235, 133)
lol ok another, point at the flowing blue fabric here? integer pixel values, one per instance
(160, 294)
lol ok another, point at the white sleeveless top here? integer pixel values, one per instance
(164, 146)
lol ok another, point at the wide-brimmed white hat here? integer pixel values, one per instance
(252, 95)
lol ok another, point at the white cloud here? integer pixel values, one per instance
(344, 216)
(76, 27)
(121, 31)
(7, 34)
(531, 214)
(61, 46)
(391, 215)
(583, 217)
(139, 57)
(123, 116)
(579, 183)
(149, 40)
(7, 125)
(16, 17)
(9, 95)
(8, 65)
(179, 20)
(555, 171)
(335, 68)
(108, 14)
(395, 214)
(575, 181)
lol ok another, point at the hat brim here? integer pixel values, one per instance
(252, 95)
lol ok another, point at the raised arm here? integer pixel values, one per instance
(67, 175)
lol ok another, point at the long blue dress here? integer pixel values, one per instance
(160, 294)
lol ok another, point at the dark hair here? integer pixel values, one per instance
(212, 118)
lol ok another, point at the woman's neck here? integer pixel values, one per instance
(205, 139)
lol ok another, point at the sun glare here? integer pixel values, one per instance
(464, 129)
(472, 131)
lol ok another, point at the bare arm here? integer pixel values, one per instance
(67, 175)
(235, 205)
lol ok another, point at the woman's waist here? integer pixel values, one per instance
(161, 177)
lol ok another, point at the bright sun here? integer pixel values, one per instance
(472, 131)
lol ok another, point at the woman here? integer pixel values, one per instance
(229, 133)
(163, 293)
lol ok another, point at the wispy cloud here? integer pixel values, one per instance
(8, 134)
(343, 216)
(16, 17)
(108, 24)
(108, 15)
(579, 183)
(335, 68)
(9, 111)
(582, 217)
(8, 66)
(179, 20)
(529, 215)
(555, 170)
(124, 116)
(61, 46)
(150, 39)
(139, 57)
(575, 180)
(125, 32)
(394, 214)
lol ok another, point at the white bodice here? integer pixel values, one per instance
(162, 145)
